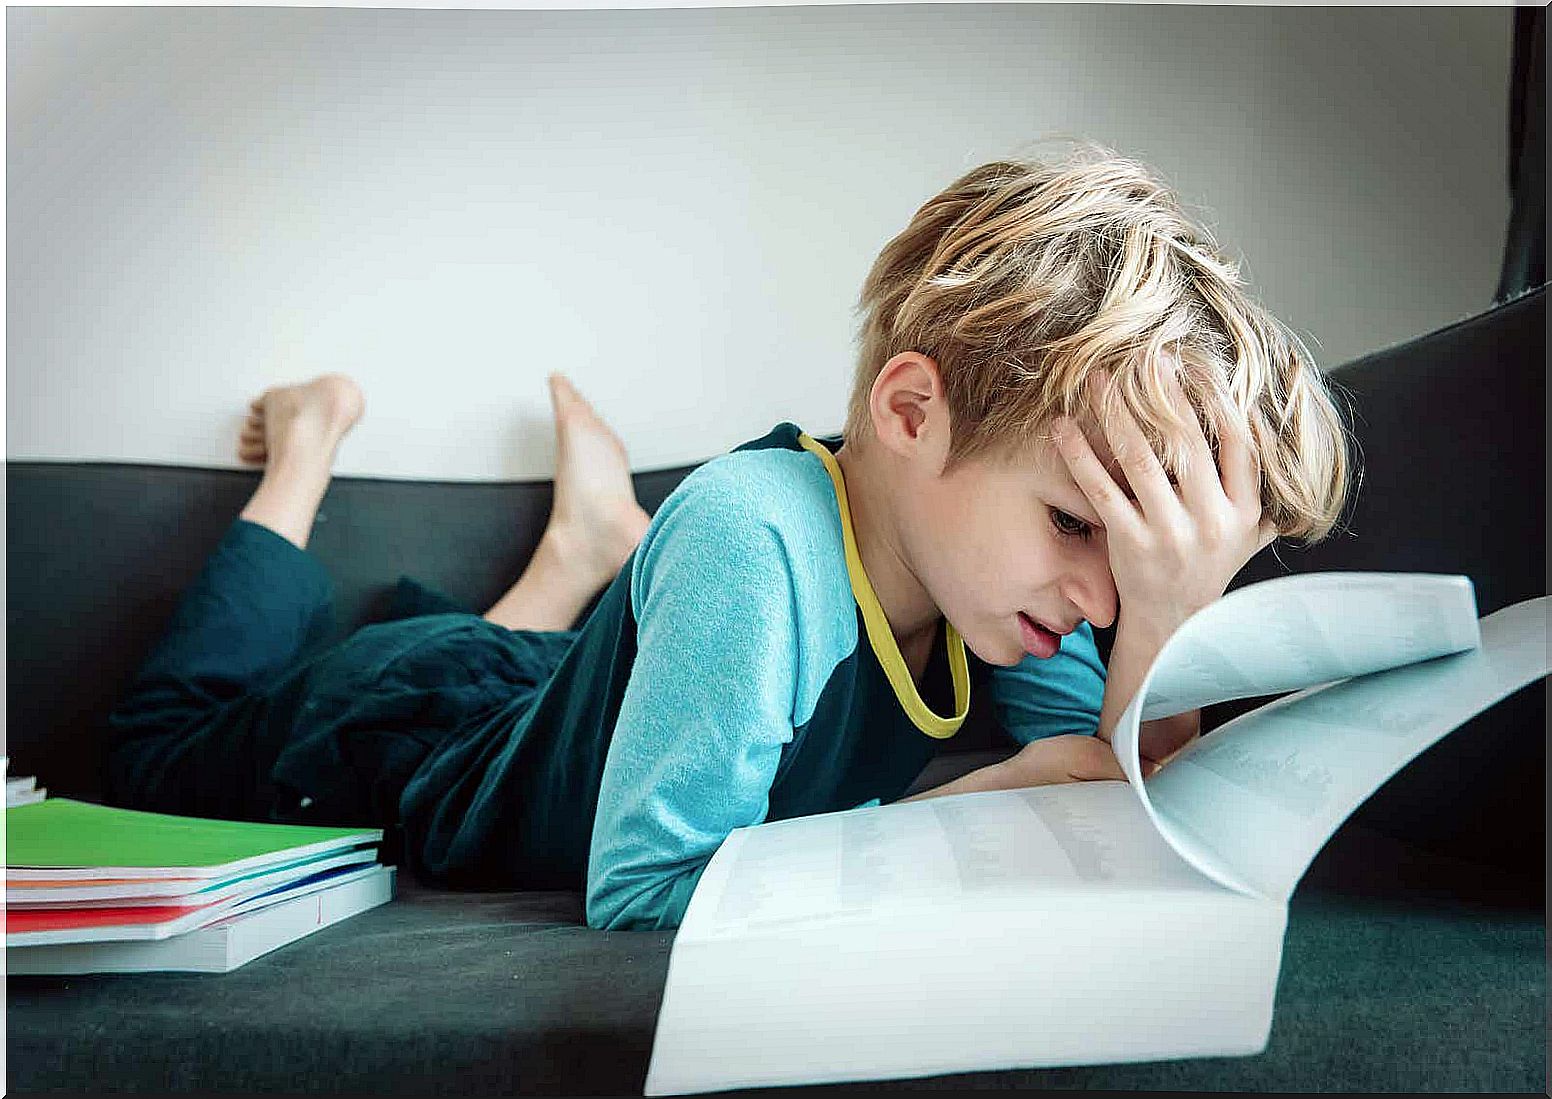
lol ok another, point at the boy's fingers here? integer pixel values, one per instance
(1149, 483)
(1092, 478)
(1241, 470)
(1200, 484)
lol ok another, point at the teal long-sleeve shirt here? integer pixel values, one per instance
(753, 657)
(728, 676)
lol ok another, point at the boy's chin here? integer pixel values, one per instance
(1005, 655)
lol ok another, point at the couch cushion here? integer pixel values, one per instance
(1402, 970)
(98, 553)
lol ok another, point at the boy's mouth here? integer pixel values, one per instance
(1038, 641)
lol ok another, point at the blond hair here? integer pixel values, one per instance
(1024, 276)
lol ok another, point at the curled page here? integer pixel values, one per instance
(1297, 631)
(1265, 792)
(1281, 635)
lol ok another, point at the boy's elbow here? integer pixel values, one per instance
(640, 901)
(611, 914)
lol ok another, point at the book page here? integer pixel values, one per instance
(1084, 977)
(1267, 790)
(979, 931)
(1291, 633)
(1007, 847)
(1298, 631)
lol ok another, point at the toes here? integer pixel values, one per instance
(564, 390)
(572, 410)
(563, 395)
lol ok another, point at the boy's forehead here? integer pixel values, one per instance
(1044, 455)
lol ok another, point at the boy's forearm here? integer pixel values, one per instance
(992, 777)
(1130, 658)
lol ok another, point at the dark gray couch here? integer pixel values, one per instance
(1415, 946)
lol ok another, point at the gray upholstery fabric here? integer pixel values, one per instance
(1402, 970)
(1414, 957)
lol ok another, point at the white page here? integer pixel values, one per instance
(1286, 634)
(202, 917)
(1189, 847)
(1267, 790)
(32, 897)
(1081, 977)
(856, 866)
(16, 798)
(801, 956)
(1298, 631)
(981, 931)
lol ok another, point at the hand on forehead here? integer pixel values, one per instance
(1099, 442)
(1101, 447)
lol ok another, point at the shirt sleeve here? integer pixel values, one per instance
(1039, 698)
(706, 711)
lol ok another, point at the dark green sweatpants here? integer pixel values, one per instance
(193, 734)
(243, 711)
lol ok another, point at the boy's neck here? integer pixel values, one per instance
(912, 615)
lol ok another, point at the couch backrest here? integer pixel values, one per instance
(1450, 426)
(1452, 432)
(98, 553)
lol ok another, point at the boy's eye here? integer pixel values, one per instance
(1070, 525)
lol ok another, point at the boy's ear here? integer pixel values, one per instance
(910, 414)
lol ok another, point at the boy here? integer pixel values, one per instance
(1065, 412)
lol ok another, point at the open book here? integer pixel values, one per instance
(1086, 922)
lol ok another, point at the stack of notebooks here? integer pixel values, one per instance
(23, 791)
(94, 889)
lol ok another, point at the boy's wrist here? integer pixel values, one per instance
(1131, 656)
(994, 776)
(1142, 638)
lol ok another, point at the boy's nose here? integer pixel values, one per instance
(1092, 590)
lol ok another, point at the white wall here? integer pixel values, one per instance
(675, 206)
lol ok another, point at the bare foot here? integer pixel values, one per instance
(303, 422)
(595, 518)
(295, 430)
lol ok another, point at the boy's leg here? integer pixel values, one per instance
(185, 737)
(296, 431)
(595, 522)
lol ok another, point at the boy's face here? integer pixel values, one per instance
(1012, 534)
(1002, 534)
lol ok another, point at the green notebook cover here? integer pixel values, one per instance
(62, 832)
